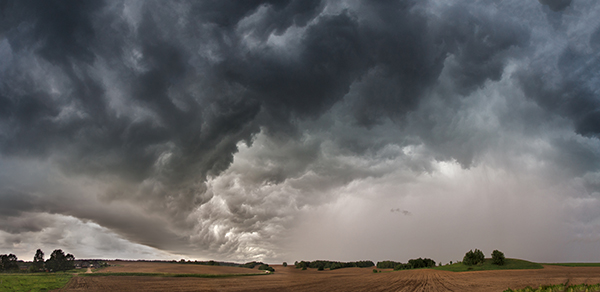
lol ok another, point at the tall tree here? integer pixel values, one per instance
(8, 262)
(58, 261)
(38, 261)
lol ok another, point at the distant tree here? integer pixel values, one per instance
(8, 262)
(284, 264)
(387, 264)
(320, 268)
(58, 261)
(265, 267)
(38, 261)
(498, 257)
(302, 265)
(421, 263)
(473, 257)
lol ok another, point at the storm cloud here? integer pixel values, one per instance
(241, 130)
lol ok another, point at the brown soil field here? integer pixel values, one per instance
(348, 279)
(172, 268)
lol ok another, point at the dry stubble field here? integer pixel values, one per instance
(348, 279)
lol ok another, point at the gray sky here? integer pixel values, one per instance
(300, 130)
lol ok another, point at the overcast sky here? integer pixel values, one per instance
(300, 130)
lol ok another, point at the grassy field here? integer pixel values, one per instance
(33, 282)
(510, 264)
(574, 264)
(559, 288)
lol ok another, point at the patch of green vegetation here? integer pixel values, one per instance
(172, 275)
(559, 288)
(33, 282)
(509, 264)
(574, 264)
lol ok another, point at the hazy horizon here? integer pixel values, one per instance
(287, 130)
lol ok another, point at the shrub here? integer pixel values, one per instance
(498, 257)
(473, 257)
(321, 268)
(374, 270)
(284, 264)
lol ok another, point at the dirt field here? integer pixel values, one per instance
(349, 279)
(173, 268)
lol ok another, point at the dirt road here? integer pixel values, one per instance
(349, 279)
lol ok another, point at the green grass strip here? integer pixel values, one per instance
(509, 264)
(33, 282)
(559, 288)
(172, 275)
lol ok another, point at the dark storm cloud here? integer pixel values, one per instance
(575, 94)
(13, 203)
(556, 5)
(150, 101)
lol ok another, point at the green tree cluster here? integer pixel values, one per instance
(498, 257)
(8, 262)
(421, 263)
(387, 264)
(412, 264)
(332, 265)
(251, 265)
(472, 258)
(38, 262)
(58, 261)
(265, 267)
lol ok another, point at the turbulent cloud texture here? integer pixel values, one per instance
(288, 129)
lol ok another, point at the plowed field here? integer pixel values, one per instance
(349, 279)
(173, 268)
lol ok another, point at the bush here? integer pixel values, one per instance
(473, 257)
(498, 258)
(374, 270)
(284, 264)
(321, 268)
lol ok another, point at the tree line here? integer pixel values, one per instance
(476, 257)
(332, 265)
(58, 261)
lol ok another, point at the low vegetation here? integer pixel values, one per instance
(487, 264)
(559, 288)
(33, 282)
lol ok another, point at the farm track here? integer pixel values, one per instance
(349, 279)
